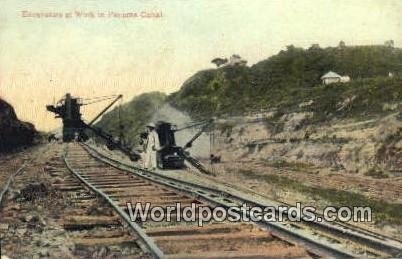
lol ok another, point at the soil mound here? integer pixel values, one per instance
(13, 132)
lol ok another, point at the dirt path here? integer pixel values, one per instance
(389, 189)
(376, 189)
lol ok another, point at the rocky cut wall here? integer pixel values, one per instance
(353, 145)
(13, 132)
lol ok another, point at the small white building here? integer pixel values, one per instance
(332, 77)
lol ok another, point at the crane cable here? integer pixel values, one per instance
(97, 99)
(121, 134)
(200, 123)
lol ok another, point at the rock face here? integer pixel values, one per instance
(357, 146)
(13, 132)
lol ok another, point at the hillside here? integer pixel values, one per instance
(327, 145)
(293, 76)
(134, 115)
(13, 132)
(288, 82)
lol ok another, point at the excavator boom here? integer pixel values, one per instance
(68, 109)
(105, 110)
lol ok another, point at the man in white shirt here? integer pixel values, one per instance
(152, 145)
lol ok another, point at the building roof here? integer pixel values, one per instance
(330, 74)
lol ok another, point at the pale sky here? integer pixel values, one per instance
(43, 58)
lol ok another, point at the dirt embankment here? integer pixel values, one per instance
(13, 132)
(337, 163)
(371, 147)
(345, 155)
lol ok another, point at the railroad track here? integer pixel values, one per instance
(95, 229)
(85, 227)
(11, 167)
(320, 238)
(91, 179)
(174, 239)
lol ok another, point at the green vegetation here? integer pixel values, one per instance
(376, 173)
(283, 82)
(359, 98)
(134, 116)
(291, 77)
(382, 211)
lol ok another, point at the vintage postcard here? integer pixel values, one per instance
(201, 129)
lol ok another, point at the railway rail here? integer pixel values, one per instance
(10, 168)
(319, 239)
(72, 223)
(91, 223)
(175, 239)
(96, 182)
(7, 179)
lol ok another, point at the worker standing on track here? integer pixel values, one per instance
(152, 145)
